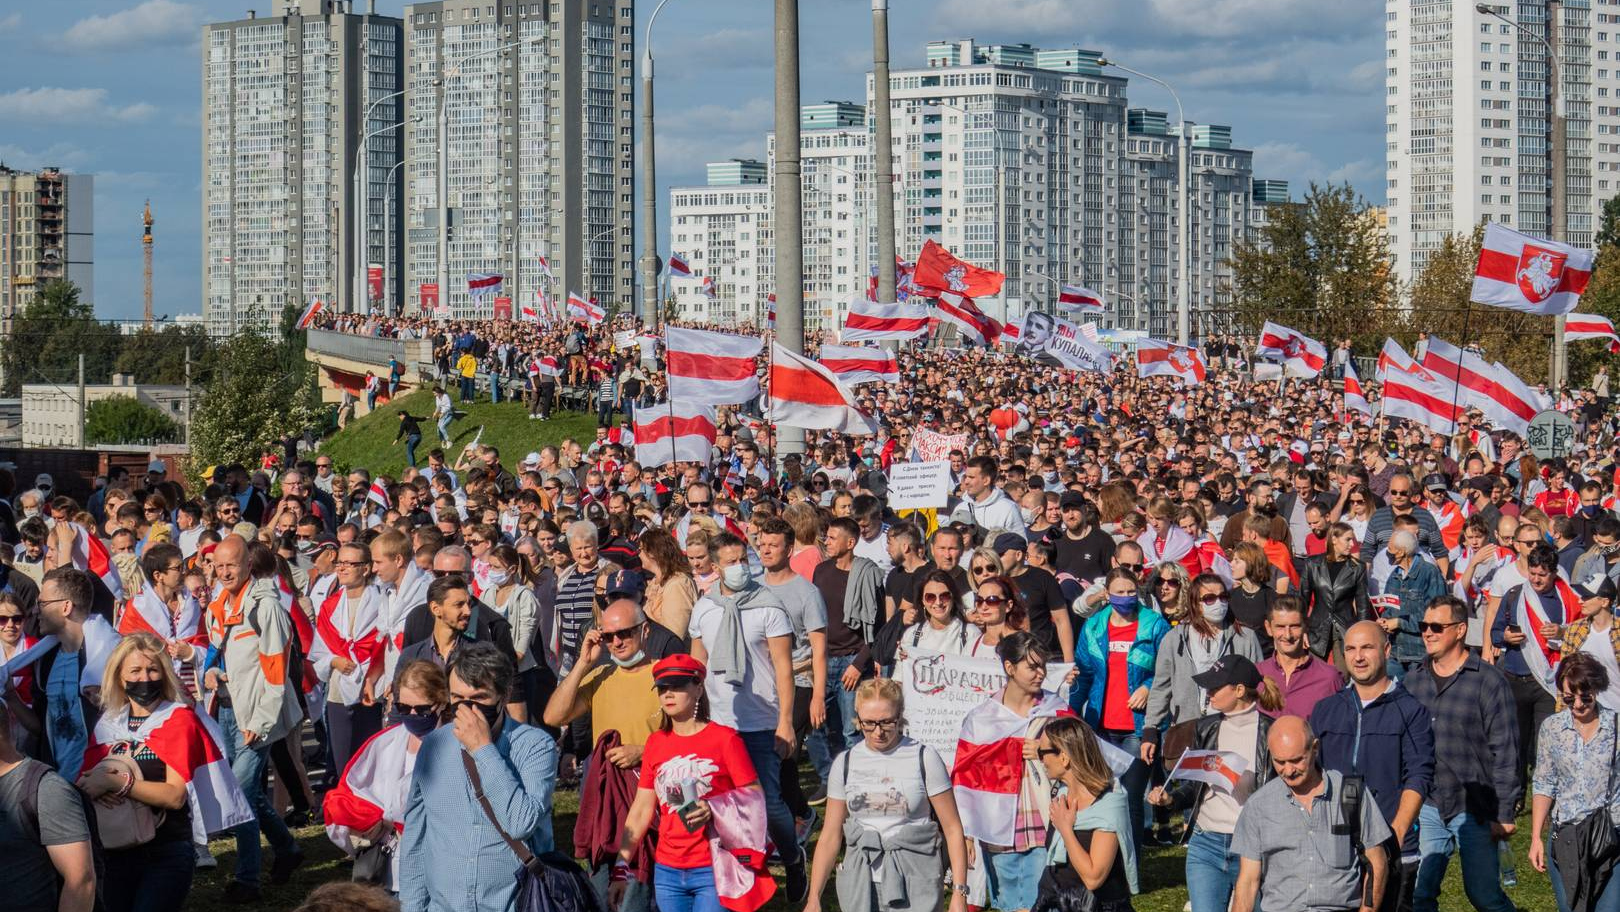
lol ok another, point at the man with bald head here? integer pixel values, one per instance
(1377, 730)
(1318, 848)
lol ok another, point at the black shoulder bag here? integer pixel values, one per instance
(1592, 838)
(548, 883)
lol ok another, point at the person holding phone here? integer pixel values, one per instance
(688, 765)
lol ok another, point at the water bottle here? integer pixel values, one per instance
(1510, 877)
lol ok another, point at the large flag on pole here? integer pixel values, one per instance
(1530, 274)
(868, 322)
(967, 317)
(1167, 359)
(711, 368)
(1073, 297)
(1422, 397)
(678, 268)
(1354, 397)
(1395, 356)
(858, 364)
(937, 270)
(482, 283)
(675, 431)
(807, 395)
(1578, 327)
(308, 316)
(581, 310)
(1504, 400)
(1300, 354)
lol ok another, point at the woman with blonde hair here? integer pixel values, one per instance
(148, 753)
(671, 593)
(982, 564)
(1236, 692)
(1091, 850)
(889, 799)
(1170, 591)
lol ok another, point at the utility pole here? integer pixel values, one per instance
(1557, 165)
(81, 401)
(651, 307)
(789, 214)
(187, 431)
(146, 262)
(882, 153)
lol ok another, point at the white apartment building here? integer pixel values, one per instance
(47, 232)
(284, 111)
(723, 231)
(50, 412)
(1467, 125)
(538, 149)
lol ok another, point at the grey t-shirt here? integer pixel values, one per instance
(806, 612)
(30, 877)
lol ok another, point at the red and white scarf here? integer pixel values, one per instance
(191, 745)
(356, 638)
(1531, 616)
(1176, 545)
(375, 787)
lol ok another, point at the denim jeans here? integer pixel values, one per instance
(768, 767)
(251, 766)
(1608, 900)
(1135, 779)
(154, 877)
(1481, 867)
(444, 428)
(411, 443)
(371, 400)
(494, 387)
(685, 889)
(832, 738)
(467, 393)
(1212, 871)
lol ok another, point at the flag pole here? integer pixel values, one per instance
(1462, 352)
(669, 397)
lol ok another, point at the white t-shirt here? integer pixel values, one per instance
(1597, 646)
(876, 551)
(885, 791)
(748, 705)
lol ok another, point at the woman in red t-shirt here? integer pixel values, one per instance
(686, 762)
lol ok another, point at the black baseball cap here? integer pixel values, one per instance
(1232, 669)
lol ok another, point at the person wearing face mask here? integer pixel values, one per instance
(365, 812)
(144, 723)
(1115, 658)
(612, 684)
(1209, 635)
(482, 784)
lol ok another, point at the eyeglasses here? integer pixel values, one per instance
(1047, 752)
(353, 563)
(666, 686)
(441, 574)
(1437, 628)
(418, 709)
(1358, 501)
(1131, 568)
(695, 504)
(992, 599)
(625, 634)
(7, 620)
(1584, 698)
(1210, 599)
(175, 569)
(1403, 492)
(871, 725)
(1527, 542)
(1167, 581)
(936, 598)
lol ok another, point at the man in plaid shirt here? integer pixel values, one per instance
(1471, 803)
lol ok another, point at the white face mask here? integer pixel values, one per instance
(1028, 514)
(736, 577)
(1216, 613)
(499, 578)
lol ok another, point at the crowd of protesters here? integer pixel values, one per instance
(1399, 643)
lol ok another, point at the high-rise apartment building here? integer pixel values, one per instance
(538, 103)
(723, 231)
(1467, 124)
(840, 209)
(286, 99)
(46, 232)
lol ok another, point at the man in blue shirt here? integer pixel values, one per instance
(72, 668)
(1531, 616)
(452, 856)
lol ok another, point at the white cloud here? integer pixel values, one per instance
(147, 25)
(61, 155)
(52, 105)
(10, 23)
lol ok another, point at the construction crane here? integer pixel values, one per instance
(146, 261)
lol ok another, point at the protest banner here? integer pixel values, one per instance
(932, 446)
(914, 485)
(940, 690)
(623, 339)
(1046, 339)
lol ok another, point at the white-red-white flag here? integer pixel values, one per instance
(586, 311)
(711, 368)
(1301, 355)
(529, 313)
(1529, 274)
(868, 322)
(1167, 359)
(545, 267)
(770, 311)
(1394, 356)
(678, 268)
(1483, 387)
(315, 306)
(974, 324)
(855, 364)
(1216, 768)
(987, 773)
(674, 431)
(807, 395)
(545, 367)
(1431, 401)
(1078, 297)
(1011, 330)
(1354, 396)
(1578, 327)
(190, 745)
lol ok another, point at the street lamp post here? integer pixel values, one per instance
(388, 235)
(650, 264)
(362, 198)
(788, 219)
(1556, 164)
(1184, 197)
(443, 82)
(883, 152)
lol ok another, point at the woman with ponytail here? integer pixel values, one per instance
(1236, 693)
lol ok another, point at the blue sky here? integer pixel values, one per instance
(112, 87)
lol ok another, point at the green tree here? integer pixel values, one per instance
(1320, 266)
(124, 420)
(1609, 224)
(1440, 304)
(159, 356)
(49, 335)
(262, 392)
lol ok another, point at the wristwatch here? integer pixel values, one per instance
(961, 888)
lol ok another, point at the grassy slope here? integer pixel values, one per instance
(1161, 868)
(368, 441)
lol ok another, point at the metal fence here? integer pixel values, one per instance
(368, 349)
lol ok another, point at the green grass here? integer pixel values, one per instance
(1161, 873)
(368, 442)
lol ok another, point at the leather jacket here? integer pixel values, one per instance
(1331, 604)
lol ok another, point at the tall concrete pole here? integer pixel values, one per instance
(1184, 293)
(651, 264)
(443, 189)
(789, 214)
(1557, 166)
(882, 152)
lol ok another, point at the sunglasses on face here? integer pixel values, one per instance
(7, 620)
(936, 598)
(613, 636)
(1435, 627)
(981, 569)
(1131, 568)
(1209, 599)
(417, 709)
(992, 600)
(1583, 698)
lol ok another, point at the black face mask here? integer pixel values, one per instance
(145, 693)
(491, 713)
(420, 726)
